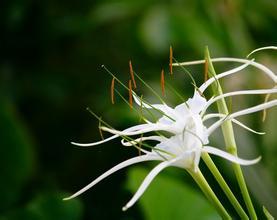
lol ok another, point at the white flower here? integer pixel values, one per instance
(186, 135)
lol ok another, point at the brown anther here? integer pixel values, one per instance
(130, 94)
(206, 70)
(170, 59)
(162, 83)
(132, 74)
(112, 90)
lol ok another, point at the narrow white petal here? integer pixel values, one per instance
(95, 143)
(112, 170)
(218, 115)
(211, 80)
(138, 140)
(259, 66)
(148, 179)
(137, 127)
(147, 128)
(140, 101)
(246, 127)
(242, 92)
(242, 112)
(164, 109)
(262, 48)
(230, 157)
(213, 115)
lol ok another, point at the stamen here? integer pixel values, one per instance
(264, 111)
(206, 70)
(130, 94)
(162, 82)
(99, 128)
(170, 60)
(132, 74)
(112, 90)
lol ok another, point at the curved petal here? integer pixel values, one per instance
(122, 165)
(218, 115)
(242, 112)
(147, 128)
(138, 140)
(95, 143)
(259, 66)
(230, 157)
(246, 127)
(206, 84)
(262, 48)
(242, 92)
(196, 103)
(164, 109)
(148, 179)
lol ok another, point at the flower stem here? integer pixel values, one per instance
(206, 189)
(230, 143)
(224, 186)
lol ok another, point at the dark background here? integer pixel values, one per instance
(51, 54)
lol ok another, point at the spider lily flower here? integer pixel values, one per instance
(187, 136)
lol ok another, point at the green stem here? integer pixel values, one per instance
(229, 138)
(224, 186)
(206, 189)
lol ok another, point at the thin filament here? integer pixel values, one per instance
(132, 74)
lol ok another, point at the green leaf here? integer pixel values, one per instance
(168, 198)
(16, 155)
(48, 206)
(267, 214)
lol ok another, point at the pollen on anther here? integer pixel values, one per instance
(132, 74)
(112, 90)
(170, 59)
(130, 94)
(206, 70)
(162, 82)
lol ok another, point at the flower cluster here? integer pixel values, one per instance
(181, 135)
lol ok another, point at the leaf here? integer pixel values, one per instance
(48, 205)
(267, 214)
(16, 155)
(168, 198)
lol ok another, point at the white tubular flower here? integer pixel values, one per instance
(186, 135)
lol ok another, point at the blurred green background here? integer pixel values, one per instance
(50, 71)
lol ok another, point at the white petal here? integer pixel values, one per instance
(242, 112)
(246, 127)
(214, 115)
(206, 84)
(261, 67)
(164, 109)
(242, 92)
(140, 101)
(138, 140)
(95, 143)
(144, 129)
(230, 157)
(196, 103)
(148, 179)
(112, 170)
(262, 48)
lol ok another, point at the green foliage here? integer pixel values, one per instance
(16, 155)
(168, 198)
